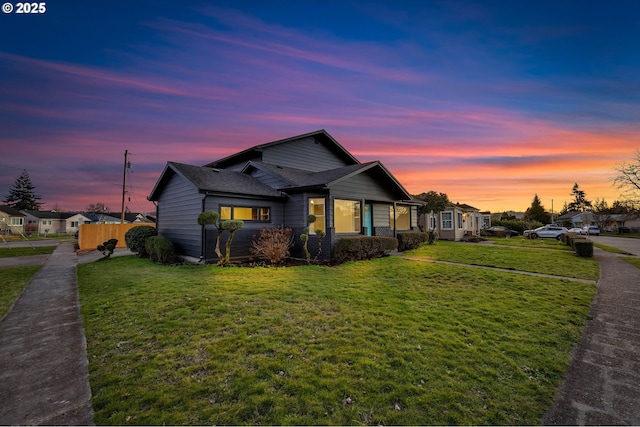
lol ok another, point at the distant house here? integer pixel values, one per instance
(11, 220)
(54, 222)
(456, 222)
(575, 219)
(279, 184)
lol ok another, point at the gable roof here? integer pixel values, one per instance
(50, 214)
(211, 180)
(10, 211)
(572, 214)
(256, 151)
(300, 180)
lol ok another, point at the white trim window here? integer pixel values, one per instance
(460, 222)
(446, 220)
(317, 208)
(16, 221)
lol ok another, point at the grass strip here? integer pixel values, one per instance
(530, 243)
(26, 251)
(558, 263)
(632, 260)
(13, 280)
(611, 249)
(388, 341)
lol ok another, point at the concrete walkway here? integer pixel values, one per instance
(602, 385)
(43, 355)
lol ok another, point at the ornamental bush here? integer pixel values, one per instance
(411, 240)
(136, 238)
(273, 244)
(160, 249)
(108, 247)
(583, 248)
(363, 247)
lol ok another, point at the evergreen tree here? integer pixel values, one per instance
(536, 212)
(22, 195)
(580, 202)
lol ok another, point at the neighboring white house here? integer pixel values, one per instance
(11, 220)
(455, 222)
(575, 219)
(75, 220)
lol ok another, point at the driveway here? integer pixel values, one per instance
(626, 244)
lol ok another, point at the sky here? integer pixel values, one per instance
(490, 102)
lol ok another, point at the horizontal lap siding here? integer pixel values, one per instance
(361, 186)
(303, 154)
(381, 216)
(178, 208)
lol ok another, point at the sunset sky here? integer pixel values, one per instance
(490, 102)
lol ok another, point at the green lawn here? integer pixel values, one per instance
(530, 243)
(555, 262)
(633, 260)
(12, 282)
(388, 341)
(27, 251)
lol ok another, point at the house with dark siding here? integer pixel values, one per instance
(278, 184)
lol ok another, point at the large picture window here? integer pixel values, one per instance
(316, 208)
(346, 216)
(245, 214)
(403, 218)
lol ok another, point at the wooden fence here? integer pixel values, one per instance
(92, 235)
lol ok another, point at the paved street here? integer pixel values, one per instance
(626, 244)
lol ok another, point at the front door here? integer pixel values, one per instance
(368, 224)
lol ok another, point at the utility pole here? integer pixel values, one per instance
(124, 184)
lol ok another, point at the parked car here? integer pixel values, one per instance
(546, 231)
(500, 231)
(575, 230)
(592, 230)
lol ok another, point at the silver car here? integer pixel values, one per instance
(546, 231)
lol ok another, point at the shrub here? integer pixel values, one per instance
(363, 247)
(136, 238)
(273, 244)
(160, 249)
(411, 240)
(583, 248)
(572, 238)
(108, 247)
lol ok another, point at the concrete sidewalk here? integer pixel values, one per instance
(43, 355)
(602, 385)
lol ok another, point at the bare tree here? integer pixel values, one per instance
(628, 178)
(97, 208)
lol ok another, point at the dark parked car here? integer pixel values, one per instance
(500, 231)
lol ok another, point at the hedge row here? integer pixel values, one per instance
(145, 242)
(363, 247)
(411, 240)
(580, 244)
